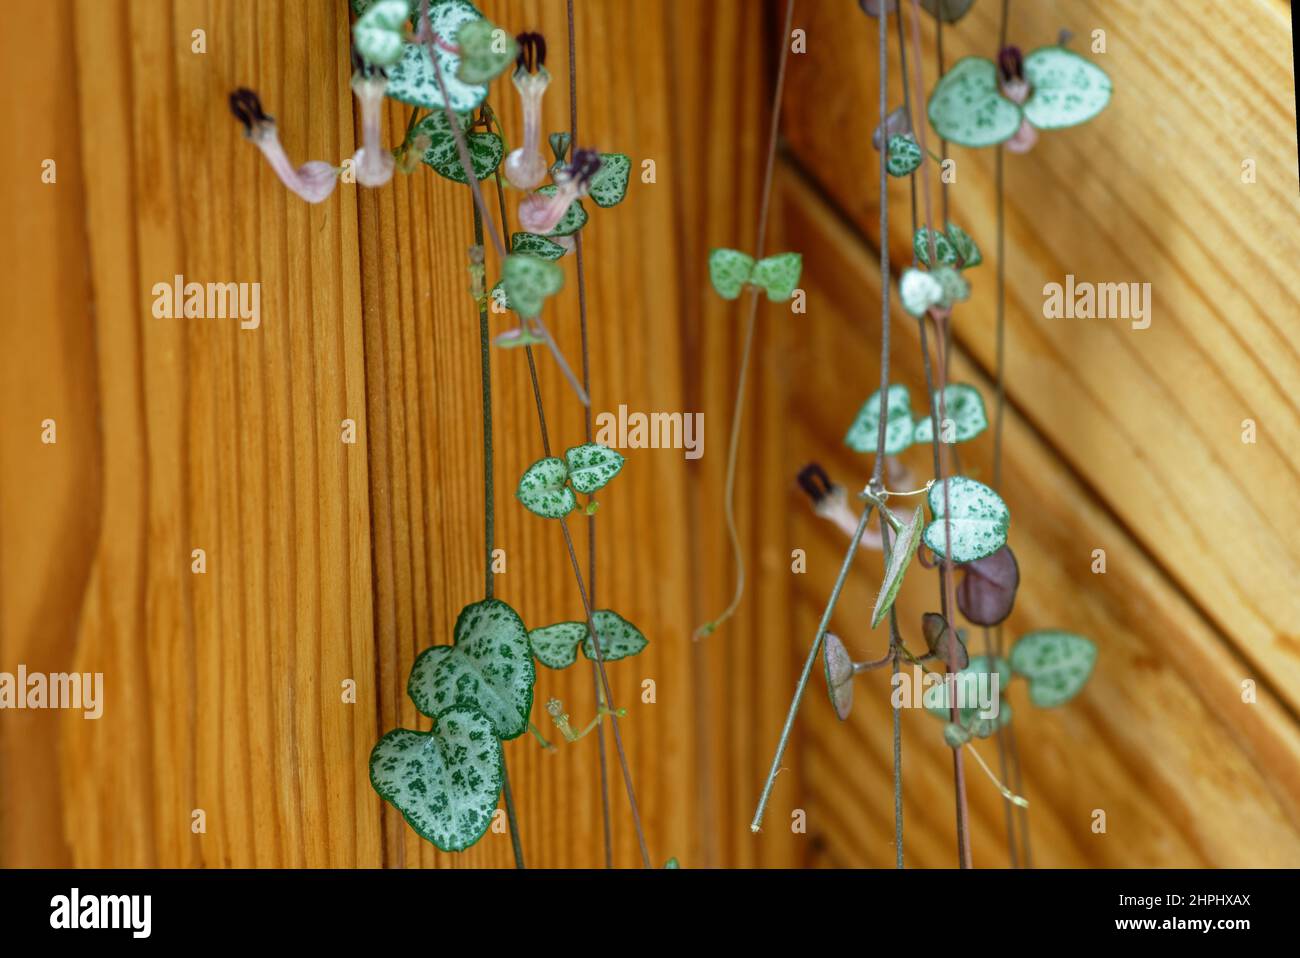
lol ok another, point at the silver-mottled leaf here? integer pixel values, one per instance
(488, 666)
(544, 489)
(445, 782)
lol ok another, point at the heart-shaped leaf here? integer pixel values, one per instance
(778, 275)
(592, 465)
(918, 291)
(485, 149)
(864, 432)
(955, 288)
(609, 185)
(949, 11)
(556, 646)
(965, 247)
(978, 519)
(947, 645)
(944, 250)
(970, 683)
(413, 79)
(900, 556)
(528, 281)
(839, 675)
(967, 107)
(904, 156)
(574, 218)
(445, 782)
(485, 51)
(489, 666)
(1067, 88)
(535, 245)
(544, 489)
(955, 736)
(1057, 665)
(987, 593)
(619, 638)
(729, 271)
(964, 407)
(378, 34)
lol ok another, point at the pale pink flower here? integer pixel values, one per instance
(314, 181)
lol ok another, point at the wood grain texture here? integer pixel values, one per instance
(1150, 191)
(329, 562)
(1160, 739)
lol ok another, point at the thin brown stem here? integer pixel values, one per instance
(751, 321)
(586, 384)
(946, 583)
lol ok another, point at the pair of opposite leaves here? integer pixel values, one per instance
(479, 692)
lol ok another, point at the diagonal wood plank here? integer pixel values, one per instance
(1161, 739)
(1150, 191)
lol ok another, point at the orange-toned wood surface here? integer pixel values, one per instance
(329, 562)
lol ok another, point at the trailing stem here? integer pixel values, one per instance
(586, 385)
(591, 628)
(946, 574)
(489, 514)
(751, 320)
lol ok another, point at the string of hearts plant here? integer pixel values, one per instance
(978, 103)
(441, 58)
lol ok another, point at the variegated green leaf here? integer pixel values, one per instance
(864, 432)
(1057, 665)
(955, 288)
(556, 646)
(964, 408)
(485, 51)
(978, 519)
(729, 271)
(619, 638)
(968, 108)
(918, 291)
(944, 250)
(1067, 88)
(904, 156)
(544, 489)
(378, 34)
(609, 185)
(489, 666)
(528, 281)
(445, 782)
(778, 275)
(485, 149)
(535, 245)
(413, 80)
(974, 680)
(592, 465)
(900, 557)
(574, 218)
(964, 246)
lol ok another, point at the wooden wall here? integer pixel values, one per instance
(329, 561)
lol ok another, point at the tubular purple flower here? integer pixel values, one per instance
(373, 164)
(526, 166)
(539, 213)
(314, 181)
(1011, 76)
